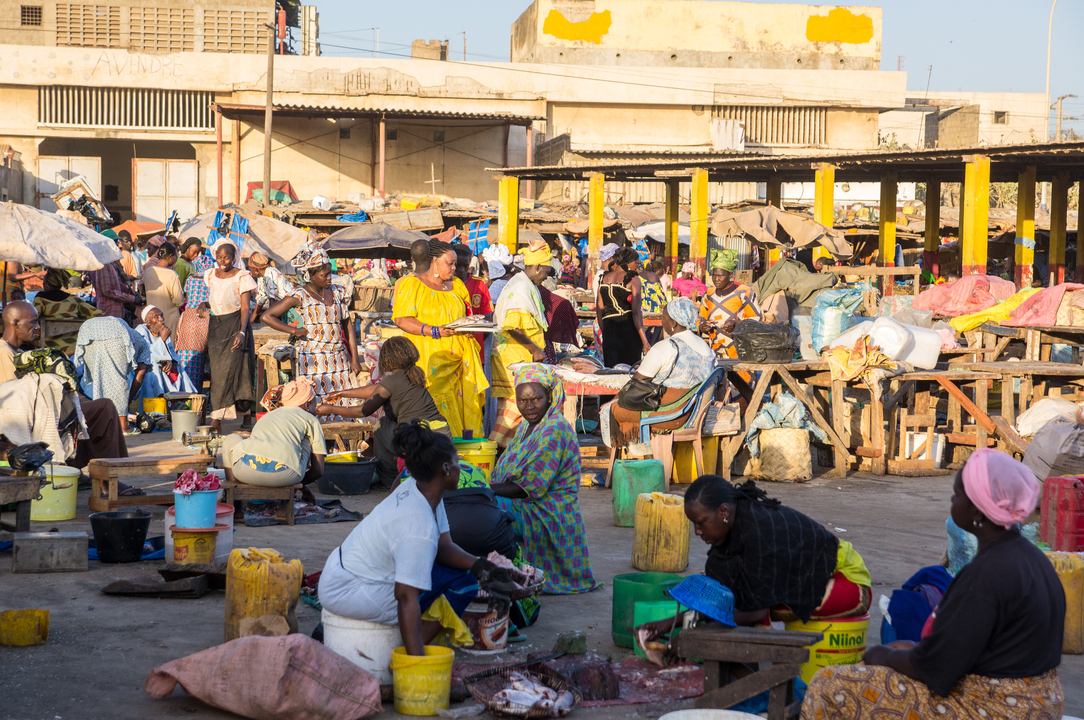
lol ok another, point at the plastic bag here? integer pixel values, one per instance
(833, 314)
(962, 546)
(895, 304)
(1039, 414)
(804, 323)
(30, 457)
(1057, 450)
(757, 341)
(918, 318)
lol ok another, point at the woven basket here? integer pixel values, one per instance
(373, 299)
(784, 456)
(484, 685)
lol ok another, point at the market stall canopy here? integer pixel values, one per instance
(140, 229)
(778, 228)
(274, 238)
(36, 237)
(656, 231)
(372, 240)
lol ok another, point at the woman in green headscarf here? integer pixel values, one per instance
(729, 303)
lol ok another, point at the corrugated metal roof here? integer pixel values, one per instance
(233, 111)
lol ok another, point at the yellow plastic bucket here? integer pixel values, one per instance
(195, 545)
(20, 628)
(154, 405)
(422, 684)
(343, 457)
(481, 454)
(58, 496)
(844, 642)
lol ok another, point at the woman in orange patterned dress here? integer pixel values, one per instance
(327, 352)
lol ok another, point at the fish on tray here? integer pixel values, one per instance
(654, 651)
(529, 693)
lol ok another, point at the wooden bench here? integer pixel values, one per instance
(108, 471)
(237, 491)
(722, 649)
(19, 490)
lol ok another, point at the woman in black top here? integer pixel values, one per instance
(997, 633)
(402, 393)
(619, 312)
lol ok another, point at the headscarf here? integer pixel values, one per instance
(57, 278)
(1000, 486)
(684, 312)
(520, 294)
(496, 269)
(726, 259)
(606, 253)
(518, 262)
(311, 257)
(689, 267)
(258, 260)
(110, 234)
(46, 360)
(545, 376)
(298, 393)
(537, 253)
(498, 253)
(147, 311)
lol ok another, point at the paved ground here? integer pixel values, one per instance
(101, 648)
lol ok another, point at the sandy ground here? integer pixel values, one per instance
(101, 648)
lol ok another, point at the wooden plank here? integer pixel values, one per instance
(874, 271)
(125, 467)
(763, 635)
(748, 686)
(965, 402)
(100, 504)
(961, 438)
(842, 456)
(1006, 432)
(16, 489)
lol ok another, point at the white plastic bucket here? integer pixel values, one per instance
(368, 645)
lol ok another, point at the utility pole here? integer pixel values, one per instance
(1057, 106)
(464, 34)
(271, 32)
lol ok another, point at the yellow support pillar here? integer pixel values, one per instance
(698, 222)
(1024, 257)
(931, 256)
(1059, 206)
(887, 228)
(596, 199)
(673, 226)
(975, 223)
(824, 201)
(775, 199)
(508, 215)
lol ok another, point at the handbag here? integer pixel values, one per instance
(192, 332)
(643, 395)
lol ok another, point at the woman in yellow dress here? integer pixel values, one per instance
(521, 318)
(424, 303)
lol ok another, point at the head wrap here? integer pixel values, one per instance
(626, 255)
(518, 262)
(311, 257)
(726, 259)
(545, 376)
(684, 312)
(110, 234)
(57, 278)
(259, 260)
(607, 253)
(689, 267)
(496, 269)
(499, 253)
(298, 393)
(537, 253)
(1000, 486)
(147, 311)
(46, 360)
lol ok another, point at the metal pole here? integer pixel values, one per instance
(267, 115)
(218, 147)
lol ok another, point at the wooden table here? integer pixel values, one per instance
(575, 390)
(19, 490)
(108, 471)
(723, 648)
(1038, 340)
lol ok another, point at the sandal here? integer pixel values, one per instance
(85, 483)
(128, 490)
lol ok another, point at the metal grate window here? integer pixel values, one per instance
(161, 30)
(125, 108)
(765, 125)
(30, 15)
(238, 31)
(88, 25)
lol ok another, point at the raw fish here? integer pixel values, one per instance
(655, 651)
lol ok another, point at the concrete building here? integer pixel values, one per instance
(175, 121)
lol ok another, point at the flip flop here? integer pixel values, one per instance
(84, 482)
(129, 490)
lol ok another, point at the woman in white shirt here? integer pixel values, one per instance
(401, 558)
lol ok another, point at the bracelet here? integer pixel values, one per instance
(436, 332)
(423, 333)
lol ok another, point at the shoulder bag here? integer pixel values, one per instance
(643, 395)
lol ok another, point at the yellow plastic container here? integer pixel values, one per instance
(1070, 569)
(422, 685)
(193, 546)
(844, 642)
(20, 628)
(685, 460)
(482, 455)
(343, 457)
(58, 497)
(154, 405)
(660, 534)
(260, 581)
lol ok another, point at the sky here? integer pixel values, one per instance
(972, 45)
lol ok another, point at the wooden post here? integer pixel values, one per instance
(887, 222)
(237, 161)
(931, 257)
(824, 201)
(383, 138)
(508, 214)
(1059, 206)
(1024, 257)
(698, 222)
(673, 226)
(530, 160)
(596, 200)
(775, 199)
(218, 150)
(975, 221)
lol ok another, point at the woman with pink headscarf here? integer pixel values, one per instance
(287, 444)
(995, 644)
(687, 285)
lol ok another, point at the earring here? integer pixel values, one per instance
(976, 523)
(726, 520)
